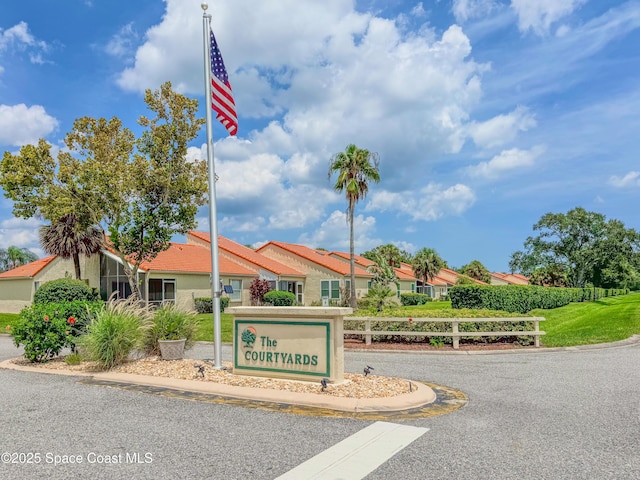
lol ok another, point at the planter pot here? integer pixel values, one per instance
(171, 349)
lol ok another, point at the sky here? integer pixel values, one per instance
(485, 114)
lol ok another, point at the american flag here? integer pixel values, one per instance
(222, 97)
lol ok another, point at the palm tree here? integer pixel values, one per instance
(426, 265)
(356, 167)
(66, 239)
(13, 257)
(475, 269)
(383, 273)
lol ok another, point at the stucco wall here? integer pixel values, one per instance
(15, 294)
(60, 268)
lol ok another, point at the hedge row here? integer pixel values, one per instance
(523, 298)
(414, 298)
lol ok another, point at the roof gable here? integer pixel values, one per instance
(185, 258)
(249, 255)
(29, 270)
(319, 258)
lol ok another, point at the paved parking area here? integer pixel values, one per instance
(563, 414)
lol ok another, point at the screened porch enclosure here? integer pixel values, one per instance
(115, 284)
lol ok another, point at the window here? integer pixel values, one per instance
(36, 286)
(236, 296)
(286, 286)
(160, 291)
(330, 289)
(413, 288)
(300, 293)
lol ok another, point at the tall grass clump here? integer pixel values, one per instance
(170, 323)
(115, 332)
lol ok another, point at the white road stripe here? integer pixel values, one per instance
(358, 455)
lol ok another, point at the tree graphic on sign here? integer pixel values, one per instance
(249, 337)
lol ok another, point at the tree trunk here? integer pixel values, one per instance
(130, 272)
(352, 263)
(76, 264)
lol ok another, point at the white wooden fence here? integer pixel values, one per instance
(454, 332)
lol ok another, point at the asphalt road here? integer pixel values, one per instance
(553, 415)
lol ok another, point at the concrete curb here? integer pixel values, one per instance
(419, 397)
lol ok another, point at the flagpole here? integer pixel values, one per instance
(213, 223)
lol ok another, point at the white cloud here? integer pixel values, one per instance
(506, 161)
(430, 203)
(19, 38)
(631, 179)
(406, 246)
(122, 44)
(464, 10)
(20, 233)
(20, 125)
(333, 74)
(539, 15)
(249, 180)
(333, 233)
(418, 10)
(501, 129)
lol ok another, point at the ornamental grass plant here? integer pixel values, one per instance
(169, 322)
(115, 332)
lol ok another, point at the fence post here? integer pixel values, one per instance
(367, 328)
(536, 328)
(456, 338)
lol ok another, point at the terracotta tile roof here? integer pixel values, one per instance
(322, 259)
(182, 257)
(29, 270)
(359, 260)
(249, 255)
(437, 280)
(404, 274)
(513, 278)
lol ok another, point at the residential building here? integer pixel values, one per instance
(325, 274)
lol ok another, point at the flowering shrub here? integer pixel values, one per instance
(45, 329)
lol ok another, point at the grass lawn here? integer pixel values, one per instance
(606, 320)
(7, 319)
(205, 329)
(429, 306)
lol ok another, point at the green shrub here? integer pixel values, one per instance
(170, 323)
(115, 332)
(205, 304)
(414, 298)
(65, 290)
(279, 298)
